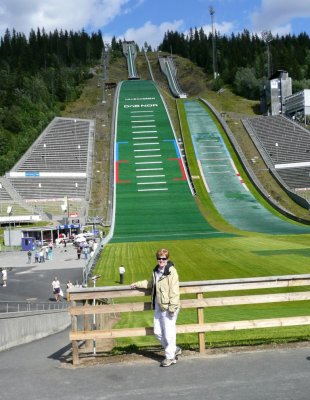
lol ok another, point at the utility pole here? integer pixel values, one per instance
(212, 12)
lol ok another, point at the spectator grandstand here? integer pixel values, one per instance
(57, 165)
(285, 147)
(63, 146)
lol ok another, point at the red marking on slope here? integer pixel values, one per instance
(117, 172)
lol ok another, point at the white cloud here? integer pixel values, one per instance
(223, 28)
(277, 15)
(150, 33)
(24, 15)
(133, 6)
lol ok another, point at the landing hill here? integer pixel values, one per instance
(96, 102)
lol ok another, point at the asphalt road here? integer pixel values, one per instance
(33, 281)
(39, 371)
(36, 371)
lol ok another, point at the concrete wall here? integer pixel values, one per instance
(23, 327)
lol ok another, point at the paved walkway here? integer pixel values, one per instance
(63, 258)
(36, 372)
(34, 280)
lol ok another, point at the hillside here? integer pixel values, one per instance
(195, 83)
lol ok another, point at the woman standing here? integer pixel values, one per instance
(166, 303)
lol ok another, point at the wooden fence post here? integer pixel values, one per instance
(75, 343)
(200, 317)
(88, 343)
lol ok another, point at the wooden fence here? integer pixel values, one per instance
(96, 306)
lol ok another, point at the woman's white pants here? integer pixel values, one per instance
(165, 330)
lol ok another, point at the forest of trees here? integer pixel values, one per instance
(242, 60)
(38, 75)
(41, 72)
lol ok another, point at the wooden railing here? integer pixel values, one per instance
(98, 302)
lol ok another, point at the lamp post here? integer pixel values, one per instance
(44, 145)
(277, 147)
(65, 208)
(40, 192)
(1, 202)
(76, 193)
(68, 212)
(9, 211)
(79, 150)
(94, 279)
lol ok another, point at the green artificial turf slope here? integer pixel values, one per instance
(153, 197)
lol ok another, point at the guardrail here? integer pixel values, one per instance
(18, 306)
(94, 306)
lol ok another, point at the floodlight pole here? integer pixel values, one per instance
(212, 12)
(267, 38)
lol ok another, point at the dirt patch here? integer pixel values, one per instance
(156, 355)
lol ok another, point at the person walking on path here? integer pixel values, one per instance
(50, 253)
(36, 256)
(56, 288)
(29, 254)
(166, 303)
(4, 276)
(85, 251)
(42, 259)
(79, 251)
(121, 274)
(45, 251)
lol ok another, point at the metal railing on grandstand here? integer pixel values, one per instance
(28, 306)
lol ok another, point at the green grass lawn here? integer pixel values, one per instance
(244, 254)
(216, 258)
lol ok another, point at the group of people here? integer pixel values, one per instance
(41, 254)
(86, 248)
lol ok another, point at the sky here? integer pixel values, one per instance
(148, 20)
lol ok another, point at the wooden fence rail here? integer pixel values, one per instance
(99, 301)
